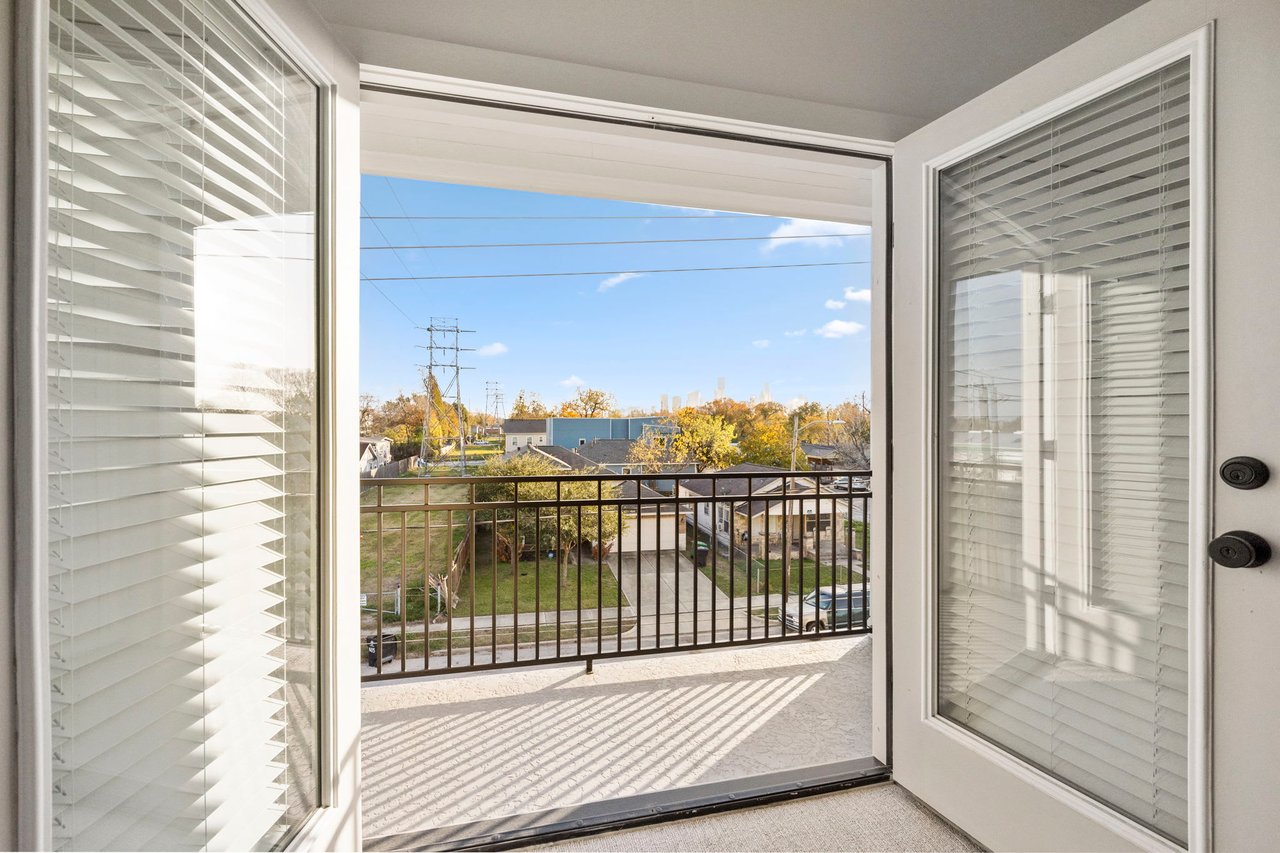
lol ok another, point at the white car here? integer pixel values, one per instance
(820, 610)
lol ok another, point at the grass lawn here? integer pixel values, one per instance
(407, 550)
(527, 584)
(476, 451)
(723, 572)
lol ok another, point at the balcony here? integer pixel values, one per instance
(556, 652)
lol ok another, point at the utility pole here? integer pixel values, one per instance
(443, 348)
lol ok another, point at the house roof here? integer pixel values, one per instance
(819, 451)
(735, 485)
(367, 440)
(607, 451)
(564, 456)
(627, 491)
(524, 425)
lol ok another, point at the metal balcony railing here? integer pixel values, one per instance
(468, 573)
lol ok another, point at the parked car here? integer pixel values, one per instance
(820, 610)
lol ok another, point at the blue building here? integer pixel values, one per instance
(576, 432)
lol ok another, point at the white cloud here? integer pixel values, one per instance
(796, 333)
(819, 231)
(760, 344)
(839, 329)
(495, 348)
(615, 280)
(857, 295)
(574, 381)
(835, 304)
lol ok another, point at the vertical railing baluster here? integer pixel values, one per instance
(378, 635)
(515, 571)
(675, 605)
(450, 593)
(714, 513)
(404, 590)
(751, 528)
(559, 566)
(493, 589)
(733, 566)
(639, 573)
(768, 572)
(786, 563)
(427, 564)
(537, 583)
(577, 561)
(835, 568)
(472, 567)
(599, 565)
(866, 561)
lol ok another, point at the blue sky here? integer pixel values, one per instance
(802, 330)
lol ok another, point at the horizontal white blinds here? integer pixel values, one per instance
(1064, 417)
(181, 352)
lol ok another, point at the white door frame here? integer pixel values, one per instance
(579, 122)
(917, 610)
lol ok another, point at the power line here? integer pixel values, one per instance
(389, 299)
(611, 272)
(608, 242)
(670, 216)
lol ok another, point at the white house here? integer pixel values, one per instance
(375, 451)
(519, 433)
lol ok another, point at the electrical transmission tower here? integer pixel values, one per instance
(444, 347)
(494, 405)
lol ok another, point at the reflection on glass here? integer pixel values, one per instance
(1064, 513)
(182, 429)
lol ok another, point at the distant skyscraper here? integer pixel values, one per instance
(765, 396)
(720, 388)
(695, 398)
(662, 407)
(675, 403)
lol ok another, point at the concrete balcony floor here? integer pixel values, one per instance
(449, 750)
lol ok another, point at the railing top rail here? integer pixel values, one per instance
(623, 478)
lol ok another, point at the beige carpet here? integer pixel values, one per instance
(881, 817)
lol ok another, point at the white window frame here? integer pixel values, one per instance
(1198, 48)
(335, 822)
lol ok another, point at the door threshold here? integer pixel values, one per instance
(506, 833)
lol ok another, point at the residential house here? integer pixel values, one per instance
(375, 451)
(614, 455)
(1071, 213)
(656, 527)
(519, 433)
(766, 513)
(578, 432)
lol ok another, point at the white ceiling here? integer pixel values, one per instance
(910, 58)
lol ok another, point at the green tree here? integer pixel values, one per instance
(767, 440)
(528, 405)
(544, 527)
(588, 403)
(689, 436)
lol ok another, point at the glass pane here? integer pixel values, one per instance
(1063, 456)
(182, 429)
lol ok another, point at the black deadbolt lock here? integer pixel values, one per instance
(1239, 549)
(1244, 472)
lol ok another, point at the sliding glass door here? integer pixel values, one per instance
(182, 428)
